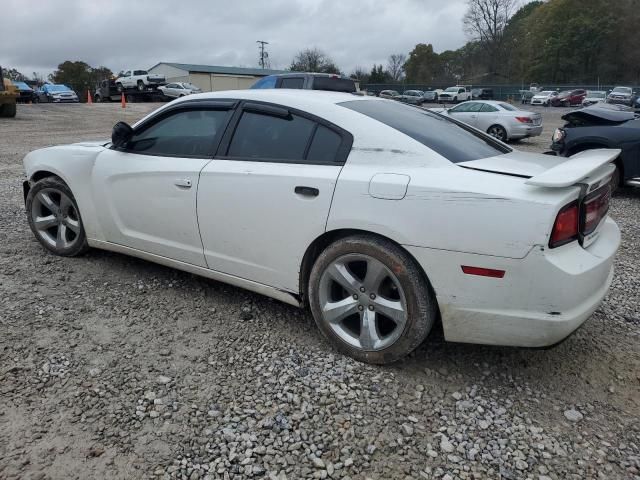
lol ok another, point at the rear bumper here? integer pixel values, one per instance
(522, 131)
(541, 300)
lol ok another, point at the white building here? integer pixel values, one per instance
(211, 78)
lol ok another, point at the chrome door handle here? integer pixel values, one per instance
(182, 183)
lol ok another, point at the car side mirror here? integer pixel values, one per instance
(121, 134)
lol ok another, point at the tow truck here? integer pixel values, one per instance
(107, 91)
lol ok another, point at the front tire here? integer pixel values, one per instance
(55, 219)
(370, 299)
(140, 86)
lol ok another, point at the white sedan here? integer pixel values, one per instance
(544, 98)
(499, 119)
(383, 218)
(178, 89)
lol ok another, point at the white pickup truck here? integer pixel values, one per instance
(456, 94)
(139, 79)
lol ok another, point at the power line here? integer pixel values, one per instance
(263, 54)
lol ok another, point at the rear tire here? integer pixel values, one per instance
(381, 309)
(55, 219)
(499, 132)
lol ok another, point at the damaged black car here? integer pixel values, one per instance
(603, 126)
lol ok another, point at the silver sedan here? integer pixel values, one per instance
(499, 119)
(179, 89)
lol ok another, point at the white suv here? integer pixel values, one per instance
(139, 79)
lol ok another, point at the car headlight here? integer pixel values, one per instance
(558, 135)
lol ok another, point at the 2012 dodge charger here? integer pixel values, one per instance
(380, 216)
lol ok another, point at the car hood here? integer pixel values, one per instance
(92, 144)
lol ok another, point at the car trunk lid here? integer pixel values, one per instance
(590, 170)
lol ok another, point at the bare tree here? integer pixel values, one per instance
(485, 22)
(313, 60)
(360, 74)
(395, 66)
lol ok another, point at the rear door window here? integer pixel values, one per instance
(264, 136)
(453, 140)
(325, 145)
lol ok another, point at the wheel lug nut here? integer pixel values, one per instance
(372, 296)
(355, 296)
(370, 307)
(362, 289)
(360, 307)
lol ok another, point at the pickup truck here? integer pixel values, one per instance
(456, 94)
(139, 79)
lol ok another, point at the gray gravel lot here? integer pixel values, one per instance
(112, 367)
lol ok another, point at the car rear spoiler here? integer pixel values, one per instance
(575, 168)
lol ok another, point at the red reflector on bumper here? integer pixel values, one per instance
(483, 272)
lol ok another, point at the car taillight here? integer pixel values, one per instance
(558, 135)
(565, 228)
(594, 208)
(524, 119)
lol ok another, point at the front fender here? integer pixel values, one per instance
(73, 164)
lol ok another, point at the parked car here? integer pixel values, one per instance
(482, 94)
(569, 98)
(455, 94)
(543, 98)
(140, 79)
(26, 92)
(594, 96)
(392, 94)
(179, 89)
(499, 119)
(362, 235)
(431, 95)
(55, 93)
(621, 96)
(413, 97)
(603, 126)
(308, 81)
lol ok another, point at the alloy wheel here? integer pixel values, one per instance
(55, 218)
(362, 302)
(498, 132)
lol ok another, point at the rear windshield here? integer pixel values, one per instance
(454, 141)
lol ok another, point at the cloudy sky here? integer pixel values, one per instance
(123, 34)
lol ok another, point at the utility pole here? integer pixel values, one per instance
(263, 55)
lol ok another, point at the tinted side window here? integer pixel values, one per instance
(453, 141)
(292, 83)
(187, 133)
(325, 145)
(263, 136)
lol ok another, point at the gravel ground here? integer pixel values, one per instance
(112, 367)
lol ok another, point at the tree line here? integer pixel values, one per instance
(553, 41)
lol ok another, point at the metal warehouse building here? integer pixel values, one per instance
(211, 78)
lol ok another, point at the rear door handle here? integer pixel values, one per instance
(182, 183)
(307, 191)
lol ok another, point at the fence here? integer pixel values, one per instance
(500, 92)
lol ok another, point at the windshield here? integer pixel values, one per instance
(546, 93)
(622, 90)
(266, 82)
(454, 141)
(596, 94)
(58, 88)
(452, 89)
